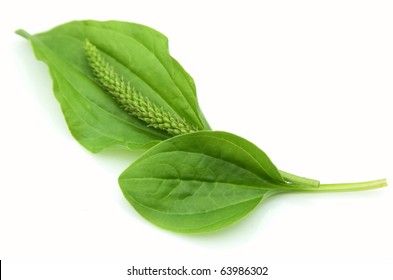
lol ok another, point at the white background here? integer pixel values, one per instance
(309, 82)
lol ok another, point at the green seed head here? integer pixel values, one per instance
(129, 99)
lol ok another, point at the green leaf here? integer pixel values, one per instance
(200, 182)
(140, 55)
(207, 180)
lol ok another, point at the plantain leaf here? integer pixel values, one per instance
(140, 54)
(200, 182)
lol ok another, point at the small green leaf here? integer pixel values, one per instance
(200, 182)
(140, 55)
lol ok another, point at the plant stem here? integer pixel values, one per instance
(360, 186)
(299, 181)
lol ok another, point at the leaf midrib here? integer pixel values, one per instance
(204, 154)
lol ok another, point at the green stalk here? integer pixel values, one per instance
(299, 181)
(345, 187)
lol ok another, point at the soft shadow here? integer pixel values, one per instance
(120, 154)
(116, 160)
(35, 74)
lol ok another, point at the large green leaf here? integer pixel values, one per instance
(200, 182)
(140, 55)
(206, 180)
